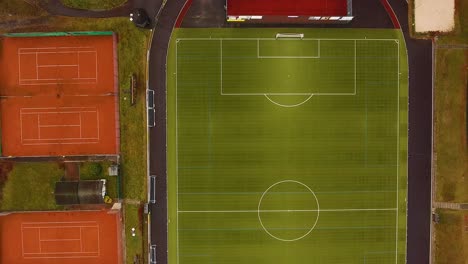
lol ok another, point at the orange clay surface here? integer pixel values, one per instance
(61, 237)
(59, 96)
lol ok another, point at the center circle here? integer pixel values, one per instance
(288, 210)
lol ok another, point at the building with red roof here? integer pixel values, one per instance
(289, 11)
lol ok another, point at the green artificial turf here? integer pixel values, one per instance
(287, 151)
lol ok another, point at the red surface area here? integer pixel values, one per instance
(391, 13)
(287, 7)
(71, 237)
(59, 96)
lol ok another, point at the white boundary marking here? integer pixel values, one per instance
(64, 225)
(323, 210)
(56, 50)
(293, 105)
(398, 149)
(292, 210)
(64, 140)
(177, 153)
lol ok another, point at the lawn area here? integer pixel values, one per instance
(93, 4)
(451, 243)
(17, 7)
(134, 244)
(30, 186)
(451, 154)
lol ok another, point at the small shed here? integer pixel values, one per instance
(80, 192)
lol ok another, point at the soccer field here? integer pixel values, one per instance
(287, 150)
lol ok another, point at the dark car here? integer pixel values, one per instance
(140, 18)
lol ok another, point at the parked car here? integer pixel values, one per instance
(140, 18)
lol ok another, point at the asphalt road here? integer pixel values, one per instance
(369, 14)
(157, 134)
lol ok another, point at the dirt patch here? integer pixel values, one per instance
(434, 15)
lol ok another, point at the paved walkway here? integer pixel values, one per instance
(454, 206)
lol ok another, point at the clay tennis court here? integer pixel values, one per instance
(59, 96)
(60, 237)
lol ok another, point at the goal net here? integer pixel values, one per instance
(290, 35)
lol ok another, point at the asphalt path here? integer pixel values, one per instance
(157, 134)
(419, 141)
(369, 14)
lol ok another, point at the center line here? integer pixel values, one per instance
(290, 210)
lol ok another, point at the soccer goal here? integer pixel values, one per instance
(290, 35)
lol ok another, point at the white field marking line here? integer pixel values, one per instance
(21, 125)
(19, 66)
(58, 79)
(64, 257)
(291, 210)
(64, 252)
(398, 149)
(39, 126)
(99, 241)
(60, 126)
(221, 59)
(61, 143)
(37, 69)
(289, 57)
(355, 68)
(55, 83)
(78, 60)
(289, 106)
(61, 107)
(52, 139)
(177, 147)
(22, 240)
(81, 135)
(337, 39)
(40, 245)
(96, 65)
(64, 239)
(98, 126)
(52, 48)
(286, 94)
(56, 112)
(56, 52)
(58, 227)
(58, 222)
(58, 65)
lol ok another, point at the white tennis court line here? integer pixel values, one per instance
(67, 110)
(77, 80)
(37, 225)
